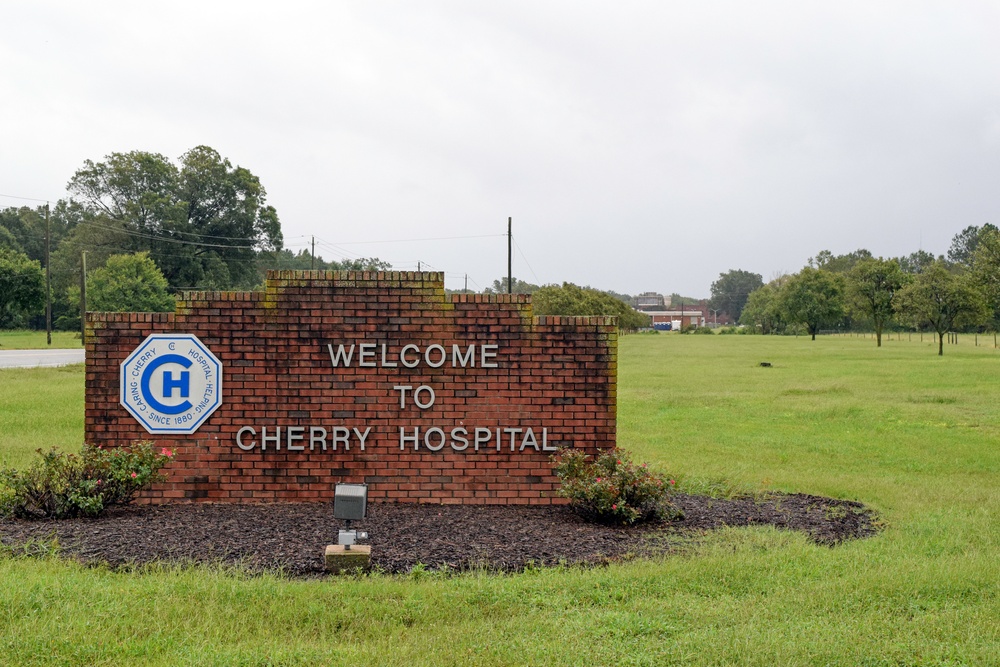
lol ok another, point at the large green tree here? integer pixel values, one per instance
(731, 291)
(570, 299)
(203, 221)
(128, 283)
(872, 288)
(814, 298)
(942, 299)
(22, 288)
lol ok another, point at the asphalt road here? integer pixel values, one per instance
(35, 358)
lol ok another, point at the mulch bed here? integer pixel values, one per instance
(290, 538)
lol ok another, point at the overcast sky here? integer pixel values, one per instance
(637, 145)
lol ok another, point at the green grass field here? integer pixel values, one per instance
(37, 340)
(911, 434)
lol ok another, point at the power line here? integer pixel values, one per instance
(44, 201)
(526, 261)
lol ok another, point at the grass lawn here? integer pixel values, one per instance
(911, 434)
(37, 340)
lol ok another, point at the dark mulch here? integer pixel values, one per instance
(292, 537)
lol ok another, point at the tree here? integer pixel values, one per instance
(28, 229)
(763, 309)
(204, 222)
(22, 288)
(986, 269)
(964, 244)
(499, 286)
(570, 299)
(128, 283)
(814, 298)
(303, 261)
(942, 299)
(827, 261)
(731, 291)
(873, 285)
(916, 262)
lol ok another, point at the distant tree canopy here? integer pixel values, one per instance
(916, 262)
(22, 288)
(964, 244)
(570, 299)
(518, 286)
(203, 221)
(304, 261)
(827, 261)
(731, 291)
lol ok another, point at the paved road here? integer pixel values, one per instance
(34, 358)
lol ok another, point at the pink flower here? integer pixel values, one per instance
(598, 479)
(672, 482)
(614, 507)
(98, 482)
(134, 475)
(619, 462)
(166, 452)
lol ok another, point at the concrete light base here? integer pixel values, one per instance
(338, 559)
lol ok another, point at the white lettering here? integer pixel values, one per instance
(459, 361)
(341, 434)
(293, 434)
(403, 438)
(366, 350)
(340, 356)
(239, 438)
(274, 439)
(362, 436)
(317, 435)
(458, 435)
(402, 356)
(483, 436)
(427, 356)
(427, 439)
(416, 397)
(385, 361)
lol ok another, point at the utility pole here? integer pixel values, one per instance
(312, 255)
(510, 275)
(48, 280)
(466, 283)
(418, 266)
(83, 297)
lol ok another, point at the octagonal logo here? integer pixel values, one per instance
(171, 383)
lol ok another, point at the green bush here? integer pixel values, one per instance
(60, 485)
(612, 489)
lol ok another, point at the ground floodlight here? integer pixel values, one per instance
(350, 503)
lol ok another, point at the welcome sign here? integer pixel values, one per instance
(329, 377)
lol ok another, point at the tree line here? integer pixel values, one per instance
(147, 228)
(916, 292)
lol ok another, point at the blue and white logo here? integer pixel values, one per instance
(171, 383)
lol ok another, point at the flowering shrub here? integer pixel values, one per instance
(60, 485)
(612, 489)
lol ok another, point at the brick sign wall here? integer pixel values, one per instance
(357, 377)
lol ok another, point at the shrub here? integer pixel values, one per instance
(60, 485)
(612, 489)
